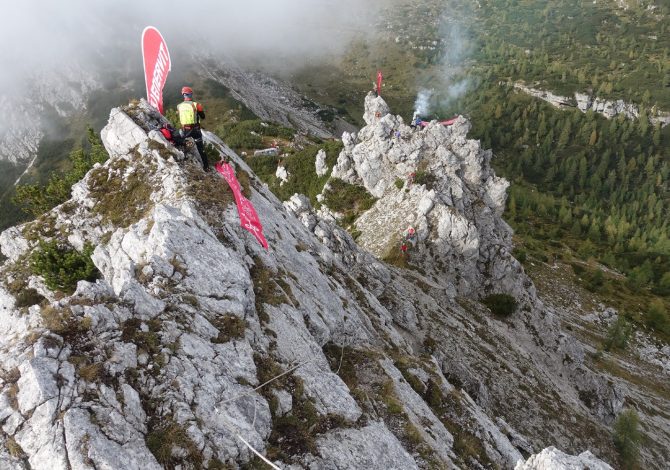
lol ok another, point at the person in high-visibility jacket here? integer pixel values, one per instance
(190, 114)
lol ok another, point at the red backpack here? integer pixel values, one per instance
(167, 132)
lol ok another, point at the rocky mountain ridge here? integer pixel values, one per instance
(195, 342)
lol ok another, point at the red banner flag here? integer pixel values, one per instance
(380, 78)
(157, 64)
(248, 216)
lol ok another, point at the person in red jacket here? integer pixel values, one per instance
(190, 113)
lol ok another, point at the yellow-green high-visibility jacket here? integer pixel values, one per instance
(190, 113)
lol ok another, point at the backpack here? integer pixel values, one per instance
(172, 135)
(166, 130)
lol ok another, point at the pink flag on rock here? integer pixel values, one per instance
(248, 216)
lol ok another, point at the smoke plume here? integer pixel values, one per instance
(450, 83)
(422, 103)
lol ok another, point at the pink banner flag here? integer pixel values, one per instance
(380, 79)
(248, 216)
(157, 64)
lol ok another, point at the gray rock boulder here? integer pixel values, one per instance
(321, 167)
(555, 459)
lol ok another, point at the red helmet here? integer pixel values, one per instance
(186, 90)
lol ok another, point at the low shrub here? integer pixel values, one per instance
(425, 178)
(348, 199)
(230, 327)
(64, 323)
(122, 197)
(577, 268)
(62, 266)
(521, 255)
(618, 334)
(502, 305)
(28, 297)
(166, 434)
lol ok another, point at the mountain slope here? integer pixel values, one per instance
(194, 339)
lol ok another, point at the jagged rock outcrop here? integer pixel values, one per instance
(439, 182)
(585, 102)
(609, 109)
(320, 164)
(282, 174)
(195, 340)
(551, 98)
(552, 458)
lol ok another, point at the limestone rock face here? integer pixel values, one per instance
(609, 109)
(441, 184)
(585, 102)
(268, 98)
(555, 459)
(282, 174)
(321, 167)
(195, 342)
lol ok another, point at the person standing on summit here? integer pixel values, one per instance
(190, 114)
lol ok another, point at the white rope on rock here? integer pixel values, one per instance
(254, 420)
(264, 384)
(258, 454)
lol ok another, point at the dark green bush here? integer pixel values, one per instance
(521, 255)
(62, 266)
(577, 268)
(501, 304)
(656, 316)
(594, 280)
(425, 177)
(343, 197)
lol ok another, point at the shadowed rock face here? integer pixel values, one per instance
(269, 99)
(160, 362)
(23, 121)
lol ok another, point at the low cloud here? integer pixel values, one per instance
(40, 37)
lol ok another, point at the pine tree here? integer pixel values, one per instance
(564, 138)
(583, 172)
(656, 136)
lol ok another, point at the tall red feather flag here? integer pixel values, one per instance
(380, 78)
(157, 65)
